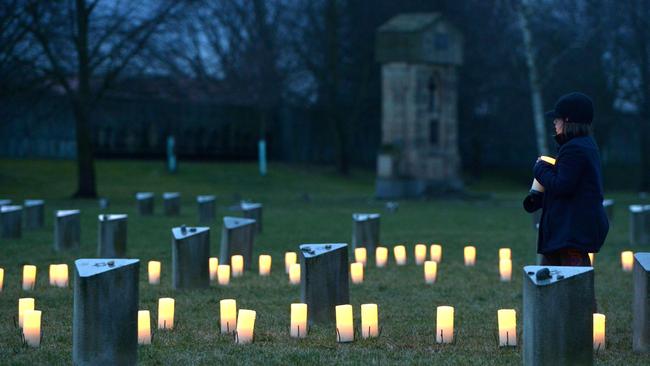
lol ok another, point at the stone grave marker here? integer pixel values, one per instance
(104, 203)
(11, 221)
(365, 231)
(641, 304)
(172, 203)
(145, 203)
(639, 225)
(237, 237)
(253, 211)
(608, 205)
(190, 257)
(111, 238)
(207, 208)
(67, 230)
(4, 202)
(34, 214)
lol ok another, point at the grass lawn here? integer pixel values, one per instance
(406, 305)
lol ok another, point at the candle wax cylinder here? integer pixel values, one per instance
(356, 272)
(289, 259)
(29, 277)
(144, 327)
(627, 261)
(505, 253)
(153, 268)
(470, 255)
(381, 257)
(2, 278)
(245, 326)
(344, 323)
(165, 313)
(507, 319)
(59, 275)
(213, 264)
(298, 320)
(369, 321)
(24, 304)
(430, 272)
(420, 254)
(436, 253)
(505, 270)
(592, 258)
(265, 264)
(599, 332)
(228, 315)
(237, 265)
(360, 255)
(400, 255)
(32, 328)
(444, 324)
(294, 274)
(223, 274)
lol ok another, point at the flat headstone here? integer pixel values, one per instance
(105, 313)
(34, 214)
(365, 231)
(145, 203)
(172, 203)
(111, 238)
(237, 237)
(641, 305)
(608, 205)
(253, 211)
(11, 221)
(558, 315)
(67, 230)
(190, 257)
(4, 202)
(639, 225)
(324, 280)
(207, 208)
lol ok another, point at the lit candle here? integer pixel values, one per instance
(505, 270)
(369, 321)
(507, 327)
(144, 327)
(154, 272)
(536, 186)
(2, 278)
(228, 315)
(294, 274)
(24, 304)
(223, 274)
(265, 264)
(165, 313)
(289, 259)
(505, 253)
(592, 257)
(245, 326)
(213, 264)
(381, 257)
(436, 253)
(237, 265)
(32, 328)
(344, 323)
(356, 272)
(400, 254)
(298, 320)
(444, 324)
(470, 255)
(360, 255)
(627, 260)
(420, 254)
(59, 275)
(29, 277)
(599, 332)
(430, 272)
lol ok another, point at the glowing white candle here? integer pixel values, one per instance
(165, 313)
(2, 278)
(144, 327)
(381, 257)
(237, 265)
(420, 254)
(444, 324)
(298, 320)
(505, 270)
(627, 260)
(245, 326)
(213, 264)
(369, 321)
(223, 274)
(356, 272)
(32, 328)
(24, 304)
(400, 254)
(536, 186)
(289, 259)
(29, 277)
(294, 274)
(228, 315)
(344, 323)
(599, 331)
(264, 262)
(436, 253)
(507, 327)
(592, 258)
(361, 256)
(430, 272)
(59, 275)
(505, 253)
(470, 255)
(153, 268)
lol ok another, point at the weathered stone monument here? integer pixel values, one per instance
(365, 231)
(172, 203)
(558, 315)
(207, 208)
(253, 211)
(105, 315)
(11, 221)
(324, 281)
(420, 54)
(237, 237)
(145, 203)
(190, 257)
(639, 225)
(67, 230)
(641, 305)
(111, 238)
(34, 214)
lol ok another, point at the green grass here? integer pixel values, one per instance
(406, 304)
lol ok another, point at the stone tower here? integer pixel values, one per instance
(420, 54)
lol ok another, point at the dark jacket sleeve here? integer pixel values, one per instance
(533, 202)
(561, 179)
